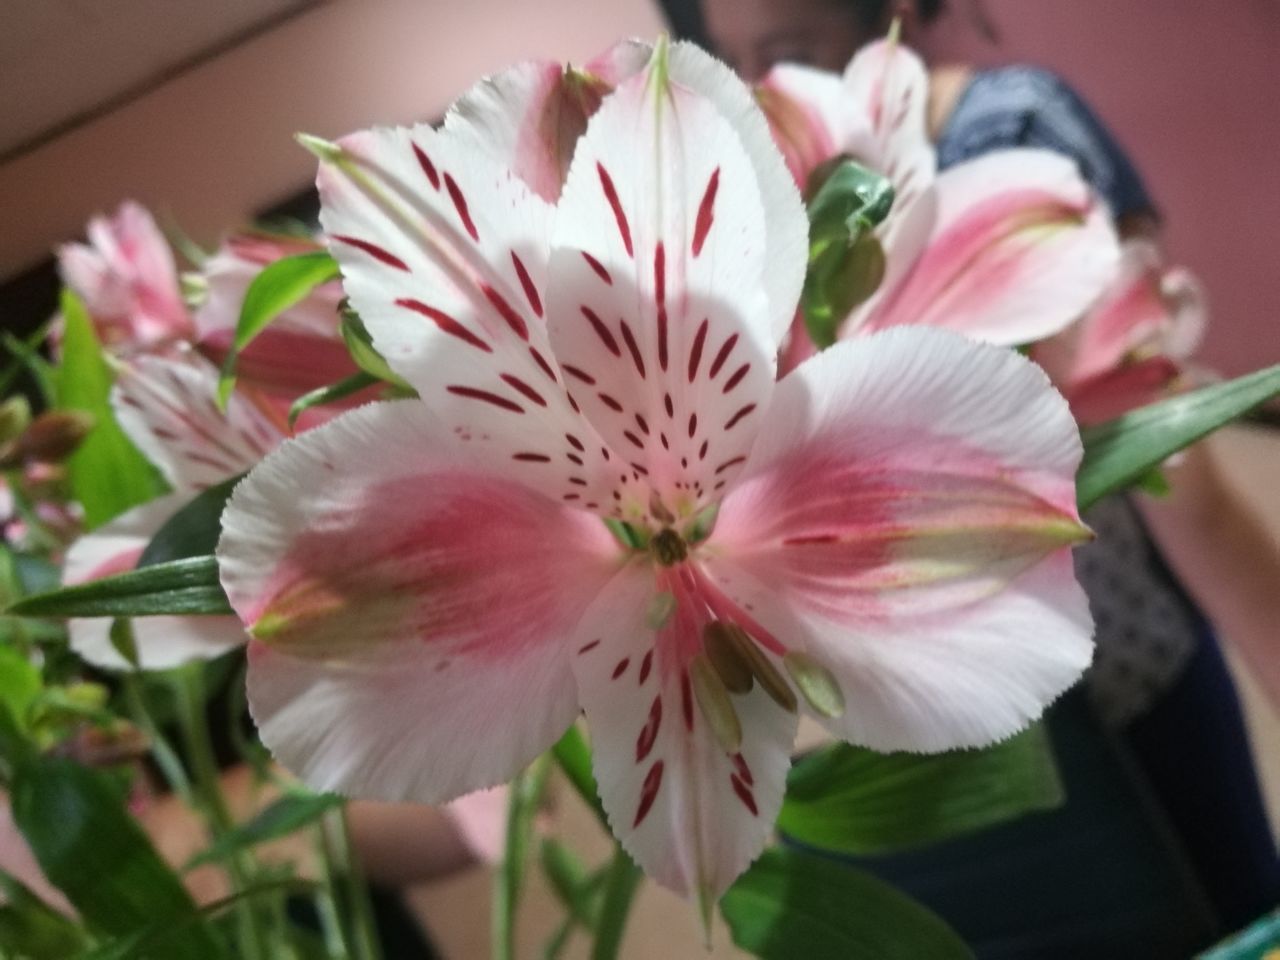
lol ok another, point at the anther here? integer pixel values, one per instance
(714, 702)
(668, 547)
(661, 607)
(762, 668)
(816, 684)
(722, 651)
(658, 510)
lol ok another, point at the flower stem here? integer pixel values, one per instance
(347, 883)
(526, 793)
(620, 885)
(206, 794)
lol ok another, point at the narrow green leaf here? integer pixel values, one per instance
(31, 929)
(91, 848)
(360, 345)
(193, 531)
(108, 474)
(852, 800)
(574, 758)
(570, 880)
(792, 904)
(330, 394)
(279, 286)
(1119, 453)
(291, 812)
(187, 586)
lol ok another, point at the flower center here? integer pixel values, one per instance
(668, 548)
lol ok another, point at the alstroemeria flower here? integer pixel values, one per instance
(881, 538)
(1008, 248)
(300, 351)
(127, 279)
(1133, 344)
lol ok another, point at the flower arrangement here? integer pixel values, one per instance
(628, 393)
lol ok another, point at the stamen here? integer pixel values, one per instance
(761, 667)
(816, 683)
(724, 656)
(659, 510)
(713, 700)
(661, 607)
(668, 548)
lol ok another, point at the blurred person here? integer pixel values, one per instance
(1161, 570)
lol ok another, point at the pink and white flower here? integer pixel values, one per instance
(1134, 344)
(881, 538)
(126, 277)
(1007, 248)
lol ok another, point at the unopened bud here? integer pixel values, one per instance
(15, 416)
(54, 436)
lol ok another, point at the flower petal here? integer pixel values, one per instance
(411, 609)
(443, 254)
(657, 313)
(530, 116)
(1019, 249)
(890, 86)
(166, 407)
(904, 519)
(160, 642)
(692, 815)
(809, 116)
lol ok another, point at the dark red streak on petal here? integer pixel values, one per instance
(577, 374)
(574, 458)
(693, 425)
(375, 251)
(598, 267)
(736, 379)
(611, 194)
(444, 322)
(695, 352)
(589, 646)
(531, 457)
(546, 367)
(643, 424)
(526, 281)
(686, 701)
(514, 320)
(460, 204)
(645, 666)
(633, 347)
(729, 463)
(649, 734)
(744, 771)
(621, 668)
(611, 403)
(660, 293)
(706, 212)
(606, 337)
(666, 402)
(486, 397)
(635, 441)
(428, 167)
(722, 356)
(648, 792)
(810, 541)
(744, 794)
(575, 442)
(524, 388)
(733, 421)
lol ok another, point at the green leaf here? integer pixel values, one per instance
(569, 879)
(91, 848)
(330, 394)
(792, 904)
(853, 800)
(179, 587)
(193, 531)
(574, 758)
(1119, 453)
(20, 685)
(279, 286)
(291, 812)
(360, 346)
(32, 929)
(108, 474)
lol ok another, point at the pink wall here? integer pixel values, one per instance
(1192, 89)
(215, 144)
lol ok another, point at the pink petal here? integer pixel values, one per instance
(1122, 389)
(411, 607)
(890, 87)
(657, 313)
(808, 113)
(690, 814)
(444, 255)
(905, 519)
(1020, 248)
(166, 406)
(161, 642)
(128, 280)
